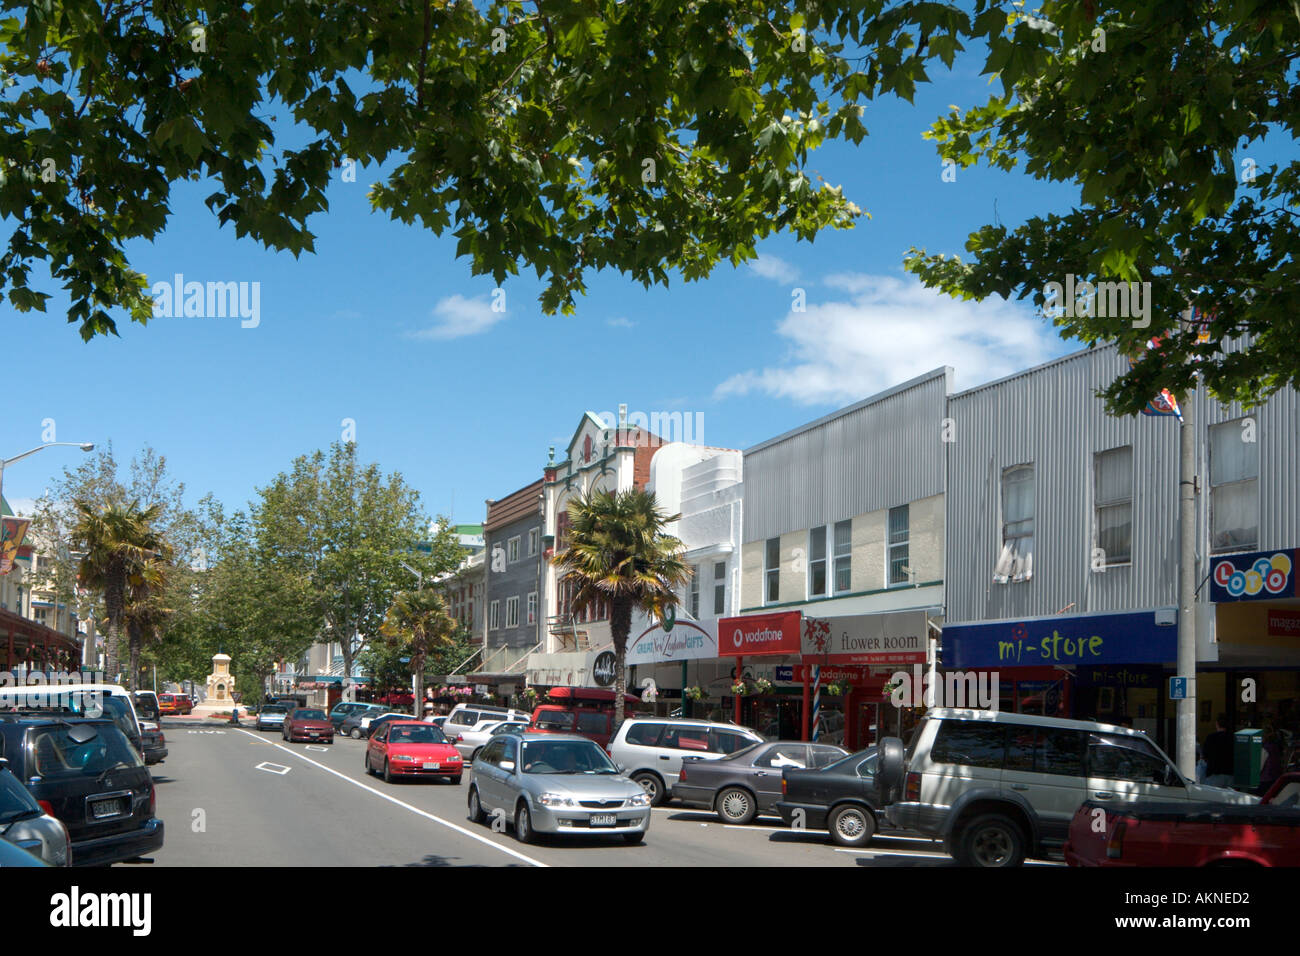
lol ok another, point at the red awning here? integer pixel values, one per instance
(28, 634)
(579, 694)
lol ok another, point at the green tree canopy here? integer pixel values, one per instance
(563, 136)
(1162, 115)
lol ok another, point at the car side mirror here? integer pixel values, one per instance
(507, 765)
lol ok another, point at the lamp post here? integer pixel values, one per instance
(6, 462)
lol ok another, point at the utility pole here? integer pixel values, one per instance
(1187, 489)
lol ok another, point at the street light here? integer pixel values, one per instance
(6, 462)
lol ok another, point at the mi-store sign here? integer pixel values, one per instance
(759, 635)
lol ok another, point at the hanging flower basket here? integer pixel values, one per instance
(530, 693)
(739, 688)
(833, 690)
(693, 693)
(762, 686)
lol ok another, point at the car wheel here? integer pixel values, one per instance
(652, 785)
(735, 805)
(852, 825)
(991, 840)
(474, 755)
(388, 773)
(524, 825)
(634, 838)
(366, 763)
(455, 779)
(476, 814)
(355, 733)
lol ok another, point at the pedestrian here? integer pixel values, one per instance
(1218, 755)
(1272, 768)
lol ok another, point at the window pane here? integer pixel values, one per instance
(1231, 458)
(1234, 516)
(843, 575)
(817, 578)
(897, 565)
(1018, 494)
(969, 744)
(1115, 533)
(647, 735)
(1122, 758)
(898, 524)
(817, 544)
(1114, 475)
(773, 588)
(773, 553)
(843, 537)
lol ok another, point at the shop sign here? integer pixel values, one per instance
(1254, 576)
(868, 639)
(571, 669)
(676, 639)
(835, 674)
(759, 635)
(1082, 641)
(604, 669)
(1283, 623)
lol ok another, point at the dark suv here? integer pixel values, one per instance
(87, 774)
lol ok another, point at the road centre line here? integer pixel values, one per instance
(416, 810)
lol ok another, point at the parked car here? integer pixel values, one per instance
(307, 724)
(473, 717)
(1190, 834)
(650, 749)
(470, 742)
(437, 721)
(12, 856)
(154, 745)
(342, 710)
(147, 706)
(741, 786)
(998, 787)
(24, 824)
(841, 797)
(351, 725)
(372, 722)
(543, 783)
(91, 700)
(87, 774)
(412, 748)
(271, 716)
(594, 724)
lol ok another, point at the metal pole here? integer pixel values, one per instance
(1187, 586)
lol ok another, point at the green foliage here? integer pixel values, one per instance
(526, 130)
(616, 552)
(1160, 131)
(416, 623)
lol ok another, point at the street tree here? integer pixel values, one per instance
(1163, 116)
(616, 554)
(565, 137)
(347, 529)
(116, 542)
(417, 623)
(146, 611)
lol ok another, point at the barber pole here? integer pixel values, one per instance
(816, 701)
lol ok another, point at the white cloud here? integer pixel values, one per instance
(888, 330)
(621, 323)
(458, 317)
(778, 270)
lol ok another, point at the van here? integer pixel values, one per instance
(472, 717)
(589, 722)
(89, 700)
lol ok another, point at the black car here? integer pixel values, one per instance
(351, 725)
(155, 746)
(91, 778)
(841, 797)
(744, 784)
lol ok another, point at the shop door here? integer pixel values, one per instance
(866, 726)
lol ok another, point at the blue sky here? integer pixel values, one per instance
(385, 327)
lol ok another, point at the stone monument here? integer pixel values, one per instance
(220, 686)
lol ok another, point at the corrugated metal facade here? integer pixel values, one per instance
(1050, 416)
(878, 453)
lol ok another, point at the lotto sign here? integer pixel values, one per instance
(1259, 576)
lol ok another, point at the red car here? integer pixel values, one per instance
(412, 748)
(174, 704)
(309, 725)
(1195, 834)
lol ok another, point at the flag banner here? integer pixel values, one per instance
(1164, 403)
(12, 533)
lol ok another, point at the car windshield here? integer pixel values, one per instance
(15, 801)
(566, 756)
(274, 709)
(556, 720)
(57, 754)
(309, 715)
(427, 734)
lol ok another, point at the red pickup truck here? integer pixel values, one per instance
(1190, 834)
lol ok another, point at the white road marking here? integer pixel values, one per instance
(273, 768)
(406, 806)
(323, 750)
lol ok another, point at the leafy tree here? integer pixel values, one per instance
(617, 553)
(417, 623)
(567, 136)
(1161, 114)
(145, 612)
(345, 530)
(117, 541)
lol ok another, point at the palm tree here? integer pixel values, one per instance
(618, 553)
(145, 613)
(117, 541)
(418, 622)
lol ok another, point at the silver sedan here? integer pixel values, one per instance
(553, 783)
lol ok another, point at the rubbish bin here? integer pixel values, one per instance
(1247, 758)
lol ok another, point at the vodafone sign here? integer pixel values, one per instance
(759, 635)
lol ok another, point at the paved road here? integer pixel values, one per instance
(234, 797)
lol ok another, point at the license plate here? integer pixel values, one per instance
(433, 766)
(105, 808)
(313, 733)
(604, 819)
